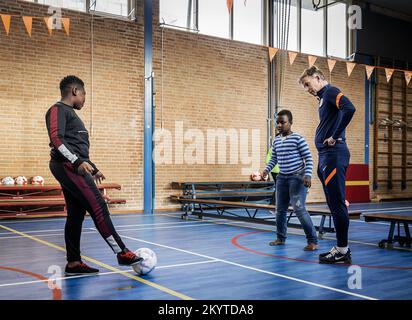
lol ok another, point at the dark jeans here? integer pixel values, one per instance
(290, 189)
(332, 173)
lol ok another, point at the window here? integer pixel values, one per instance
(337, 30)
(312, 29)
(285, 20)
(79, 5)
(174, 12)
(247, 21)
(117, 7)
(124, 8)
(214, 18)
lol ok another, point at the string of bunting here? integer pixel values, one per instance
(28, 23)
(350, 66)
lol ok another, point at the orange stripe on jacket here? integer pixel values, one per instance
(340, 95)
(330, 176)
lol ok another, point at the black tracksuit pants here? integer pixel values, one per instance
(81, 194)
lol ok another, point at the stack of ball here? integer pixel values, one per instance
(22, 181)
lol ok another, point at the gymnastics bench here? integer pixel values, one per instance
(249, 212)
(34, 200)
(395, 220)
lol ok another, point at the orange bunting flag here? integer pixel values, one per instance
(349, 67)
(28, 22)
(229, 5)
(66, 25)
(389, 72)
(408, 76)
(6, 18)
(331, 64)
(312, 60)
(272, 53)
(49, 24)
(369, 70)
(292, 56)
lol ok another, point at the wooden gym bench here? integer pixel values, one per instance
(35, 200)
(223, 209)
(404, 218)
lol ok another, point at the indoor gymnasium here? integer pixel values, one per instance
(218, 150)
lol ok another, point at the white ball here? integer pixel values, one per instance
(20, 180)
(37, 180)
(8, 181)
(149, 261)
(256, 176)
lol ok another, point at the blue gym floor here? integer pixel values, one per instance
(203, 259)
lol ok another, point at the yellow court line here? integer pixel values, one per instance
(103, 265)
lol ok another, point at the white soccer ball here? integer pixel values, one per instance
(149, 261)
(21, 180)
(256, 176)
(8, 181)
(37, 180)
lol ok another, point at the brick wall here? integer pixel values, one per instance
(202, 83)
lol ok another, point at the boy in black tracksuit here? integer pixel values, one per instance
(77, 175)
(335, 113)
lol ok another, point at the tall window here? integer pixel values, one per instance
(174, 12)
(214, 18)
(285, 24)
(118, 7)
(247, 21)
(312, 29)
(337, 30)
(79, 5)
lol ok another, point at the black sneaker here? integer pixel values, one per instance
(334, 256)
(80, 269)
(326, 253)
(128, 258)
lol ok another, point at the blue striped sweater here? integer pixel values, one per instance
(292, 154)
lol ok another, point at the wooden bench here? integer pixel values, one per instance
(46, 200)
(223, 210)
(244, 191)
(395, 220)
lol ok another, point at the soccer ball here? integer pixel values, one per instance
(37, 180)
(20, 180)
(256, 176)
(149, 261)
(8, 181)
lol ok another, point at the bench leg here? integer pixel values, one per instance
(407, 235)
(389, 241)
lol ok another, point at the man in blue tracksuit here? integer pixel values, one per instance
(335, 113)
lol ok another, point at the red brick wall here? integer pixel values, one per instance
(208, 83)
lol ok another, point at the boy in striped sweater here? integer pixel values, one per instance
(291, 152)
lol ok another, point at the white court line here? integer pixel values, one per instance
(94, 230)
(254, 269)
(208, 222)
(44, 235)
(30, 221)
(104, 273)
(167, 214)
(116, 226)
(252, 225)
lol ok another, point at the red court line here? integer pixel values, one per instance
(235, 242)
(57, 293)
